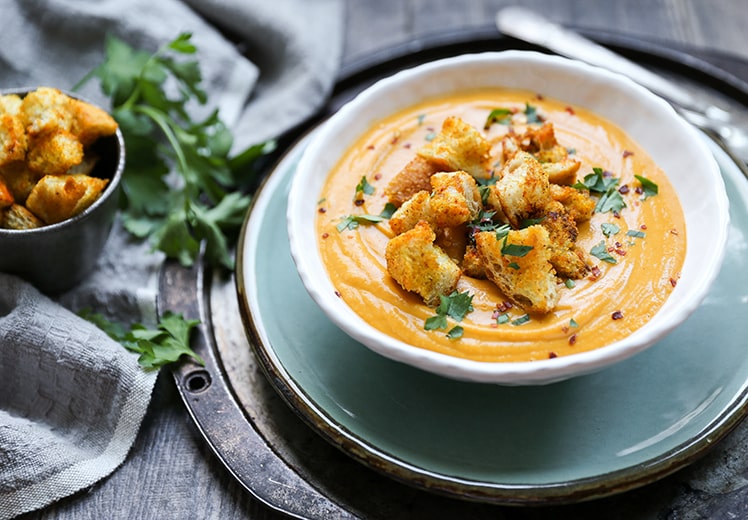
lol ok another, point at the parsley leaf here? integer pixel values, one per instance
(650, 188)
(352, 221)
(165, 344)
(635, 233)
(503, 116)
(532, 114)
(455, 306)
(611, 201)
(514, 249)
(601, 251)
(609, 229)
(151, 96)
(363, 187)
(521, 320)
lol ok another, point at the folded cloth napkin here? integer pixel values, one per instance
(71, 399)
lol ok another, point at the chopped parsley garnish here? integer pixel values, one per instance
(514, 265)
(364, 187)
(515, 249)
(611, 201)
(165, 344)
(635, 233)
(531, 222)
(573, 324)
(605, 185)
(388, 211)
(601, 251)
(503, 116)
(609, 229)
(569, 283)
(650, 188)
(352, 221)
(421, 117)
(532, 114)
(430, 136)
(502, 318)
(455, 306)
(521, 320)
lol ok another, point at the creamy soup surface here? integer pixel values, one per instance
(615, 300)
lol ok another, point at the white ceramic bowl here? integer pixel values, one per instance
(674, 145)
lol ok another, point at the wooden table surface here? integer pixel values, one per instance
(171, 473)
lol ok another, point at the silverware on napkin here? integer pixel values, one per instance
(728, 128)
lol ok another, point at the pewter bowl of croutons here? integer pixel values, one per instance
(61, 160)
(511, 217)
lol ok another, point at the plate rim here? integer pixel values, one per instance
(364, 451)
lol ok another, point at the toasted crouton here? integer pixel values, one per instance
(414, 210)
(46, 110)
(13, 141)
(54, 153)
(528, 281)
(6, 197)
(90, 122)
(455, 198)
(459, 146)
(578, 203)
(59, 197)
(419, 266)
(453, 241)
(16, 216)
(472, 265)
(19, 179)
(566, 258)
(523, 189)
(562, 172)
(414, 177)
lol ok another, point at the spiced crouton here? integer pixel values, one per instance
(523, 190)
(54, 153)
(528, 281)
(90, 122)
(578, 203)
(419, 266)
(46, 110)
(459, 146)
(414, 177)
(566, 258)
(16, 216)
(414, 210)
(13, 141)
(19, 179)
(59, 197)
(455, 198)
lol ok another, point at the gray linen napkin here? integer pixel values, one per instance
(71, 399)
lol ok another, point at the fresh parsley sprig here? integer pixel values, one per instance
(152, 96)
(456, 306)
(165, 344)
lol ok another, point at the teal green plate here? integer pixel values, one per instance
(588, 437)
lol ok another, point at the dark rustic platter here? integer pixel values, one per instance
(241, 408)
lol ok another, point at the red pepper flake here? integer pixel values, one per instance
(639, 190)
(565, 329)
(359, 202)
(673, 282)
(322, 210)
(395, 138)
(370, 147)
(325, 235)
(337, 293)
(377, 176)
(430, 128)
(570, 110)
(539, 96)
(607, 173)
(503, 307)
(618, 244)
(627, 153)
(406, 145)
(623, 190)
(572, 339)
(673, 231)
(621, 252)
(617, 315)
(552, 355)
(616, 214)
(643, 227)
(595, 273)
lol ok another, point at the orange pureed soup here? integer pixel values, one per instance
(609, 304)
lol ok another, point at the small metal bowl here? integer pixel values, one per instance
(57, 257)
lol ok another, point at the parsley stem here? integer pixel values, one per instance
(159, 118)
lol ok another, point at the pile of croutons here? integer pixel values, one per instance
(45, 158)
(509, 216)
